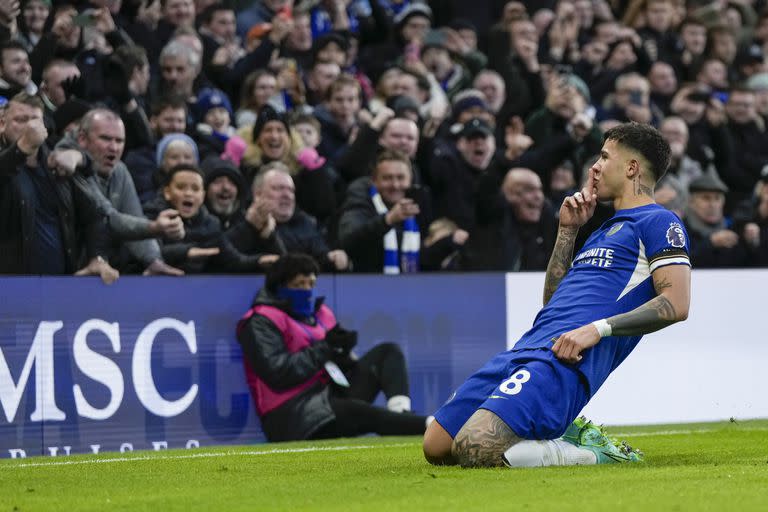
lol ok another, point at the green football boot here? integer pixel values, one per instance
(582, 433)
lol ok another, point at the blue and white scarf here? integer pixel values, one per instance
(396, 260)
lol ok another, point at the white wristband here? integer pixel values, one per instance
(603, 327)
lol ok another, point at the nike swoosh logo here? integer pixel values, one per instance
(497, 396)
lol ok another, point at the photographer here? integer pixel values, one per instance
(305, 381)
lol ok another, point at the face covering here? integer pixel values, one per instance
(302, 301)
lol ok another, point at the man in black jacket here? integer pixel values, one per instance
(523, 236)
(362, 226)
(749, 151)
(456, 170)
(715, 243)
(49, 224)
(273, 190)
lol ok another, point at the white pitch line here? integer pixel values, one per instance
(678, 432)
(203, 455)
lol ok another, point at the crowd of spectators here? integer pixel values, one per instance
(387, 136)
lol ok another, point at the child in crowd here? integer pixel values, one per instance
(185, 193)
(204, 247)
(319, 189)
(214, 128)
(308, 128)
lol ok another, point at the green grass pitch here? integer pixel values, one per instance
(714, 466)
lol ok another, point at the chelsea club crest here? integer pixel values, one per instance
(675, 235)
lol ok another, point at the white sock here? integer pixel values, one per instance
(530, 454)
(399, 403)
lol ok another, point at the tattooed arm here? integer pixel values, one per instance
(673, 286)
(575, 211)
(560, 261)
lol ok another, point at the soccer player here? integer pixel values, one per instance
(632, 277)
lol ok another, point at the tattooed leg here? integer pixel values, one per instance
(482, 441)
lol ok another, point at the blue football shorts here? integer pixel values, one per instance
(536, 395)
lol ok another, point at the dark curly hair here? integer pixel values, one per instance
(646, 141)
(287, 267)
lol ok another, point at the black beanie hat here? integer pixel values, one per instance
(214, 166)
(267, 114)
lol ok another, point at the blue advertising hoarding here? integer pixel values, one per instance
(149, 364)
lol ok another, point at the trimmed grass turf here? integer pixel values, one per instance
(715, 466)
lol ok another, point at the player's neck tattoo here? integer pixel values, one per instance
(641, 189)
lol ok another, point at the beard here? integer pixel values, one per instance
(225, 210)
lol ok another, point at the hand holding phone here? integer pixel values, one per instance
(636, 98)
(698, 97)
(416, 194)
(87, 18)
(721, 96)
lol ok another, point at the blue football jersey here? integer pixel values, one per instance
(610, 275)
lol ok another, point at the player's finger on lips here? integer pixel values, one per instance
(590, 178)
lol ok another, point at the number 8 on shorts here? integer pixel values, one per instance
(514, 384)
